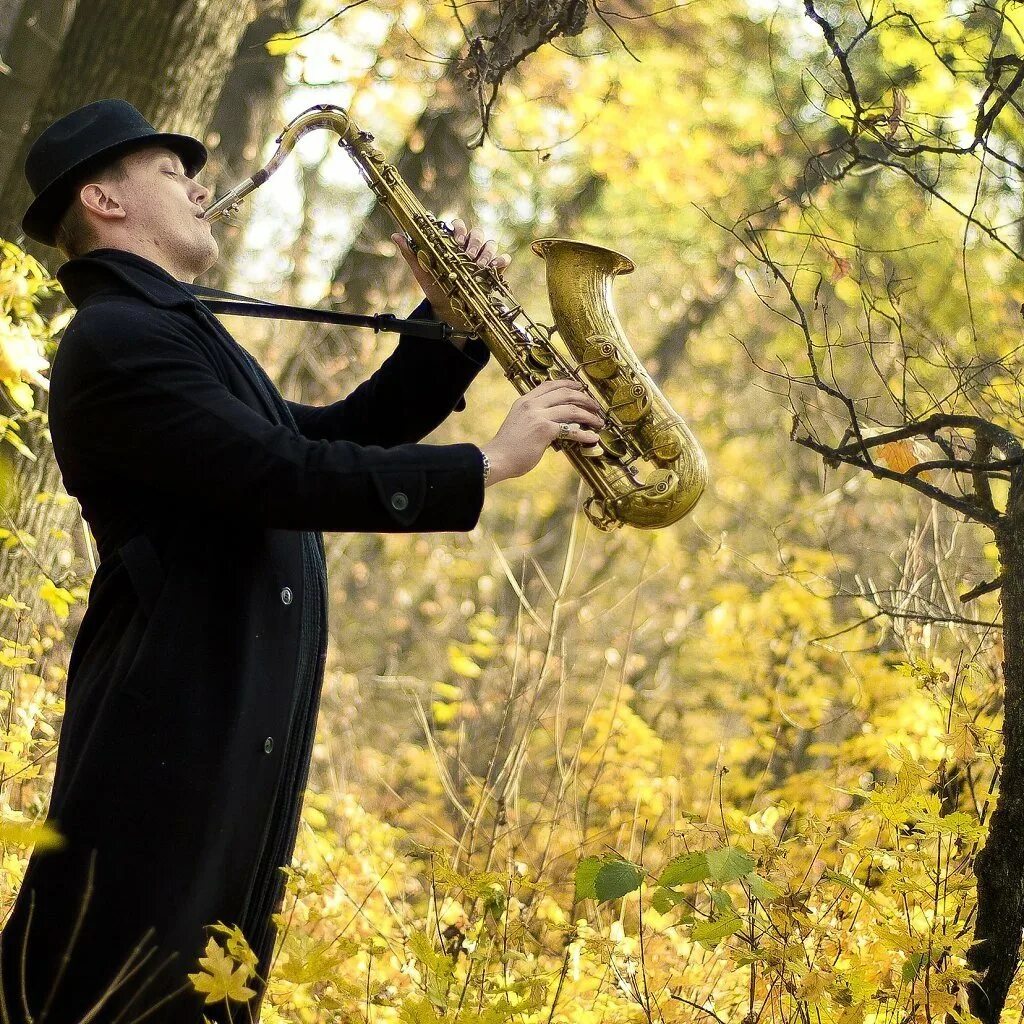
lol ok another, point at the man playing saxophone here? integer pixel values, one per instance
(195, 675)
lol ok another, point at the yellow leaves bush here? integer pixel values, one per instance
(23, 332)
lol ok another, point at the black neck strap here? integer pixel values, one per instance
(218, 301)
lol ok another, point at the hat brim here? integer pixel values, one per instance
(44, 214)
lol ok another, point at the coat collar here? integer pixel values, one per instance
(121, 272)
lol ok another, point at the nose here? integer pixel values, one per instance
(201, 195)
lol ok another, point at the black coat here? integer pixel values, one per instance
(195, 676)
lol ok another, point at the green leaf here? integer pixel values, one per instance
(761, 889)
(912, 966)
(710, 933)
(690, 867)
(723, 903)
(729, 864)
(664, 900)
(586, 876)
(617, 878)
(495, 900)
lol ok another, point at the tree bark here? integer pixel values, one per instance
(35, 35)
(9, 14)
(999, 867)
(168, 58)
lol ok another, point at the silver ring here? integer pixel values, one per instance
(567, 428)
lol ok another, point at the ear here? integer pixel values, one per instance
(99, 201)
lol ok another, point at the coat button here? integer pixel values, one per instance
(286, 595)
(399, 501)
(268, 744)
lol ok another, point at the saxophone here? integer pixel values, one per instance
(642, 426)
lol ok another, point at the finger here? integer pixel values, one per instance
(474, 241)
(459, 228)
(554, 395)
(402, 242)
(499, 263)
(583, 437)
(571, 394)
(486, 253)
(578, 435)
(572, 414)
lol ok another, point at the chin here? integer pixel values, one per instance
(203, 257)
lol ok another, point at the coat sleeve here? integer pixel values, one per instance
(136, 406)
(415, 389)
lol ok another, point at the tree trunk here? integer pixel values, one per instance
(168, 58)
(245, 118)
(34, 37)
(999, 867)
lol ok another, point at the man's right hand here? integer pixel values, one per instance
(532, 424)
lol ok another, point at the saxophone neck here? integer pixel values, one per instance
(323, 115)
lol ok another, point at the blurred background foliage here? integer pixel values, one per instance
(787, 674)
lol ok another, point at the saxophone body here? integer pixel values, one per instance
(642, 429)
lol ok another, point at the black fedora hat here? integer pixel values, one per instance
(80, 143)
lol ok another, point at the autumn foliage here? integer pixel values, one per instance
(736, 770)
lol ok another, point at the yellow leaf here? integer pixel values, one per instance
(447, 691)
(444, 713)
(21, 393)
(220, 979)
(462, 663)
(238, 945)
(59, 599)
(14, 660)
(899, 456)
(853, 1014)
(45, 836)
(282, 43)
(20, 352)
(314, 816)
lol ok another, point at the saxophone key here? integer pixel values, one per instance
(600, 358)
(629, 401)
(612, 442)
(665, 447)
(542, 358)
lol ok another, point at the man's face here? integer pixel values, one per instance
(161, 213)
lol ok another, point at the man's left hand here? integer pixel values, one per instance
(483, 253)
